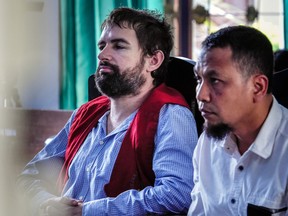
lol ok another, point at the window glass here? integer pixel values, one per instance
(265, 15)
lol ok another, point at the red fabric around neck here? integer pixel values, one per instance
(133, 166)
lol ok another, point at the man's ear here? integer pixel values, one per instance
(260, 86)
(155, 60)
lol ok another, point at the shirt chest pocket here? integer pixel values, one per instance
(263, 211)
(267, 204)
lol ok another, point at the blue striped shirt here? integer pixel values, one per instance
(91, 168)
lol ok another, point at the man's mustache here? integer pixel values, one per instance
(107, 64)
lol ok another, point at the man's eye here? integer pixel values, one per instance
(214, 80)
(197, 78)
(119, 46)
(100, 47)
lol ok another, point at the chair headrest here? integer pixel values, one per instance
(280, 80)
(180, 75)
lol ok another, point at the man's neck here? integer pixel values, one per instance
(124, 106)
(247, 133)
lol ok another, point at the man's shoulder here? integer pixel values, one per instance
(95, 103)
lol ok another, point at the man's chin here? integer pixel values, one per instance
(217, 131)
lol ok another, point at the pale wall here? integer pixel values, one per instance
(31, 51)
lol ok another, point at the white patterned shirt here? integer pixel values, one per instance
(226, 182)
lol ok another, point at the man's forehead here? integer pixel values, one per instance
(201, 62)
(110, 32)
(214, 55)
(122, 25)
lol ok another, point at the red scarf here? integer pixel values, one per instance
(133, 166)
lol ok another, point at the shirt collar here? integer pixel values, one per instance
(229, 145)
(264, 142)
(123, 126)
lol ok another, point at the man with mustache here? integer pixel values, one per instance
(240, 161)
(128, 152)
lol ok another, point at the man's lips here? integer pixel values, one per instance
(104, 69)
(206, 113)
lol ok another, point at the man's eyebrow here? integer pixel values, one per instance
(196, 69)
(208, 73)
(116, 40)
(119, 40)
(212, 73)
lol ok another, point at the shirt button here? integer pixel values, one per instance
(233, 201)
(81, 198)
(240, 168)
(101, 142)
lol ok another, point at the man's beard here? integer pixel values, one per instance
(116, 84)
(217, 131)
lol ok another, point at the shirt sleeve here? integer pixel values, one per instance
(196, 207)
(175, 141)
(38, 179)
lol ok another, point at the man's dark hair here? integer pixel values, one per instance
(251, 49)
(152, 31)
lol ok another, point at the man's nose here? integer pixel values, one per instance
(105, 54)
(202, 92)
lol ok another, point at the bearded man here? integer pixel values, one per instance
(128, 152)
(240, 162)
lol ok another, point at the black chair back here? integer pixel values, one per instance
(280, 86)
(180, 76)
